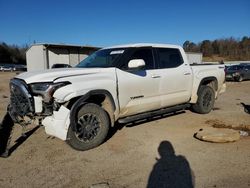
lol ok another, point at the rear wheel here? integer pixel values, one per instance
(90, 127)
(205, 102)
(239, 79)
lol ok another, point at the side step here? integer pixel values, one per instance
(153, 113)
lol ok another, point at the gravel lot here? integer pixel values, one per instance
(149, 153)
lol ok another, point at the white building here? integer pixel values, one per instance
(43, 56)
(194, 57)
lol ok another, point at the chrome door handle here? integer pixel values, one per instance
(155, 76)
(187, 73)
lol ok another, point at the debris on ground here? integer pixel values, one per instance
(217, 135)
(246, 107)
(100, 185)
(243, 133)
(5, 96)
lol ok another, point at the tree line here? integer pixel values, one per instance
(221, 49)
(12, 54)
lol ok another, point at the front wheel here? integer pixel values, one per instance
(205, 101)
(90, 127)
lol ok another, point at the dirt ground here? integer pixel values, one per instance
(149, 153)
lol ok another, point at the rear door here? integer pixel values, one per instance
(176, 77)
(138, 88)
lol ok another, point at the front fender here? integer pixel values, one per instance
(78, 89)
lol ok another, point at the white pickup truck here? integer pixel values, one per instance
(117, 84)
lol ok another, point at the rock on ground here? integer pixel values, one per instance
(100, 185)
(217, 135)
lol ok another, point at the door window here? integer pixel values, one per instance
(146, 55)
(169, 58)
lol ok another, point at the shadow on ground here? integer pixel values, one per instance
(22, 139)
(170, 170)
(6, 129)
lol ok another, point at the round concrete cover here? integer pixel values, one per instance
(217, 135)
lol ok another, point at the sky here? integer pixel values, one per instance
(111, 22)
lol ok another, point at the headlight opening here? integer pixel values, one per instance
(47, 89)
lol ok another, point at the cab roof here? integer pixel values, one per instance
(137, 45)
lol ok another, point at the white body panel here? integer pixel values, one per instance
(57, 125)
(138, 92)
(53, 74)
(205, 71)
(172, 90)
(82, 83)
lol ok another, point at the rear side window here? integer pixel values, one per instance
(169, 58)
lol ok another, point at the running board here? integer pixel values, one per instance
(153, 113)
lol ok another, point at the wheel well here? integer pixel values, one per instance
(103, 100)
(210, 81)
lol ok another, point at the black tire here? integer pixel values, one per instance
(90, 127)
(205, 102)
(239, 79)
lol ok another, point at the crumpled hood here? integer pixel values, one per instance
(53, 74)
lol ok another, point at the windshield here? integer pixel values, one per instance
(235, 67)
(102, 58)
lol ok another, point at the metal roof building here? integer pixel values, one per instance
(194, 57)
(43, 56)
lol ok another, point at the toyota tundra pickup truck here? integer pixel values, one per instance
(121, 84)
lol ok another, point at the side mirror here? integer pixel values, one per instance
(136, 63)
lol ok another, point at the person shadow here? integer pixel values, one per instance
(6, 130)
(170, 171)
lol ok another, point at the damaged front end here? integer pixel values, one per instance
(21, 107)
(35, 103)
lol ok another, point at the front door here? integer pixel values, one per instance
(138, 90)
